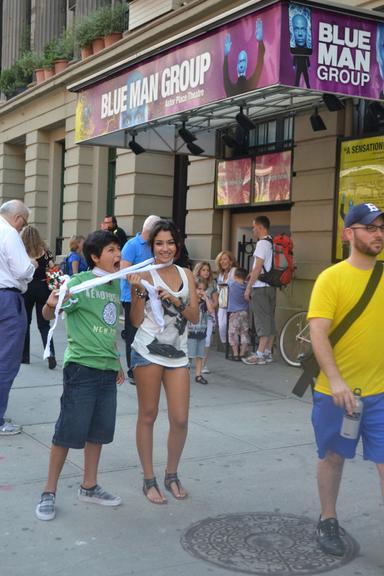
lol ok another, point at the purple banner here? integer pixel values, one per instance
(332, 52)
(286, 43)
(237, 58)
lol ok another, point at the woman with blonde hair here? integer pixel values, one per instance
(203, 270)
(37, 293)
(226, 266)
(74, 261)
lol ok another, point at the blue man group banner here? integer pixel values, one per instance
(286, 43)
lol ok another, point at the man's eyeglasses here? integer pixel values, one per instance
(371, 228)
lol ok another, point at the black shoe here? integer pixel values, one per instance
(52, 362)
(328, 537)
(131, 377)
(25, 360)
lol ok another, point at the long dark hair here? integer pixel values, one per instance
(166, 226)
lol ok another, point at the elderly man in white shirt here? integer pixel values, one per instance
(16, 270)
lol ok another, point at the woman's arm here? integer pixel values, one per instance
(75, 266)
(138, 297)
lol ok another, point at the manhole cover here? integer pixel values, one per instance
(262, 543)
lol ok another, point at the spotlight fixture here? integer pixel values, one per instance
(317, 122)
(135, 146)
(376, 110)
(186, 135)
(333, 103)
(230, 141)
(194, 149)
(244, 121)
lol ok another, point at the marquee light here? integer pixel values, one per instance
(194, 149)
(317, 122)
(243, 120)
(333, 103)
(186, 135)
(135, 146)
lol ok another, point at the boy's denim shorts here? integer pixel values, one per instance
(196, 348)
(88, 407)
(327, 419)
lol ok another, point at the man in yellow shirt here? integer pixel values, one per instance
(356, 361)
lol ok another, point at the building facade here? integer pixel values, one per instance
(70, 187)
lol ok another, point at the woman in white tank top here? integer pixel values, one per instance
(160, 355)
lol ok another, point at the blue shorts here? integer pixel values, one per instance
(327, 419)
(88, 407)
(196, 348)
(137, 360)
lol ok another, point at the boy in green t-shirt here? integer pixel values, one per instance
(91, 371)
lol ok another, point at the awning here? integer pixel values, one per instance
(276, 59)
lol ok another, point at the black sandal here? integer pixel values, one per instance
(152, 483)
(201, 380)
(173, 479)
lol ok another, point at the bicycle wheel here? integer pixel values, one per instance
(295, 341)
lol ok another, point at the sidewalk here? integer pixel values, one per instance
(250, 449)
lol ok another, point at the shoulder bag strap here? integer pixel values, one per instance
(312, 369)
(359, 307)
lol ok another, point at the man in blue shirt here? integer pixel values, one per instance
(136, 250)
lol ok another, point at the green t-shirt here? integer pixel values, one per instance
(91, 320)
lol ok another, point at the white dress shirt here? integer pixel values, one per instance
(16, 268)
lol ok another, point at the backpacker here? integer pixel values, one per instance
(281, 272)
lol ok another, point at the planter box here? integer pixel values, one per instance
(98, 45)
(112, 38)
(86, 52)
(60, 65)
(48, 73)
(40, 75)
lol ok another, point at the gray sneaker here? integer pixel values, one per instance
(45, 510)
(205, 370)
(254, 360)
(268, 357)
(98, 495)
(10, 429)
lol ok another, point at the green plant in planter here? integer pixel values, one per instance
(102, 21)
(118, 17)
(26, 64)
(10, 82)
(85, 33)
(64, 47)
(51, 51)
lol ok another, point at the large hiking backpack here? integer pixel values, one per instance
(281, 272)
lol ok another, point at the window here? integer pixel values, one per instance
(269, 136)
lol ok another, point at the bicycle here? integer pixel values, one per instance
(295, 339)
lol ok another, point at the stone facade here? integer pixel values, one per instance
(65, 184)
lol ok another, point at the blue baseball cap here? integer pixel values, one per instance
(362, 214)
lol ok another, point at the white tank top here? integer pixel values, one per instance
(170, 347)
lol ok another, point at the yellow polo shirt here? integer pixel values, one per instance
(360, 352)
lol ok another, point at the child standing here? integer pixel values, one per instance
(203, 270)
(238, 324)
(197, 333)
(91, 371)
